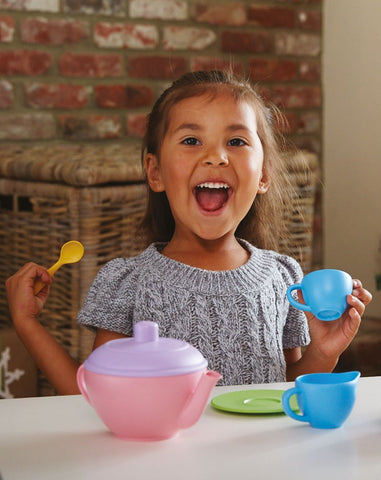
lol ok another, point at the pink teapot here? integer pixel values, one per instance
(147, 387)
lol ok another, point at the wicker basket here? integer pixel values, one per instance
(49, 195)
(38, 217)
(303, 168)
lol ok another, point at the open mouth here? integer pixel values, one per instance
(212, 196)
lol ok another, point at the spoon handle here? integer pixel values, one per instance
(39, 284)
(52, 270)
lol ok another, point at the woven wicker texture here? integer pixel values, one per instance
(303, 168)
(79, 165)
(38, 217)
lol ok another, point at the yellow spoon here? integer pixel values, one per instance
(71, 252)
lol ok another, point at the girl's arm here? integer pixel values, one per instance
(329, 339)
(52, 359)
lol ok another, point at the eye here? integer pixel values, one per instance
(237, 142)
(190, 141)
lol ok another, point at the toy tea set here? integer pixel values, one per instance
(149, 388)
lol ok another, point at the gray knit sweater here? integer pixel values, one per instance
(240, 319)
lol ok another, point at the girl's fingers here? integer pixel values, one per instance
(27, 276)
(353, 323)
(356, 303)
(361, 293)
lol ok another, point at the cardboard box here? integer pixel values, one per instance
(18, 373)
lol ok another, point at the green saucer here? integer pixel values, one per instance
(252, 402)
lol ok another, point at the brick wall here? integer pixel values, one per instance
(90, 70)
(86, 70)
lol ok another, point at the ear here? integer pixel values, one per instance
(152, 168)
(264, 183)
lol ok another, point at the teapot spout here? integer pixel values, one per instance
(197, 402)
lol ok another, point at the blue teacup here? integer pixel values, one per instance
(324, 292)
(325, 399)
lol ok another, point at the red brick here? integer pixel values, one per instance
(53, 31)
(296, 96)
(227, 14)
(310, 71)
(156, 67)
(24, 62)
(188, 38)
(300, 44)
(56, 95)
(117, 35)
(36, 5)
(137, 124)
(100, 7)
(6, 94)
(90, 127)
(123, 96)
(271, 17)
(216, 63)
(272, 70)
(27, 126)
(244, 42)
(159, 9)
(310, 20)
(7, 28)
(91, 65)
(309, 122)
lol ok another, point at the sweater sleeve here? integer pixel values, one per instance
(109, 303)
(295, 332)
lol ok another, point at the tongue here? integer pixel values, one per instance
(211, 199)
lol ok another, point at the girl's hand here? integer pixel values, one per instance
(23, 303)
(331, 338)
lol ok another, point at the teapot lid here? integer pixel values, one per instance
(145, 355)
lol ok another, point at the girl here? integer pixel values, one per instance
(215, 178)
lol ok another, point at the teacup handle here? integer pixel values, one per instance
(81, 382)
(286, 405)
(295, 303)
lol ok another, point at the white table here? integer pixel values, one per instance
(62, 438)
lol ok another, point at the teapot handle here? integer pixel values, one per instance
(81, 382)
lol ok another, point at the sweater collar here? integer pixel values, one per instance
(250, 275)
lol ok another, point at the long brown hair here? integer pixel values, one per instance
(264, 224)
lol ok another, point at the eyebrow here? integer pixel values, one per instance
(187, 126)
(194, 126)
(238, 126)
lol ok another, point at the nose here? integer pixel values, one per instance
(216, 157)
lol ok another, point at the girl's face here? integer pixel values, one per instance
(210, 165)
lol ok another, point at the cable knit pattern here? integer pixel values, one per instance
(240, 319)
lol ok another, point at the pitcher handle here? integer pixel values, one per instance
(291, 299)
(81, 382)
(286, 405)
